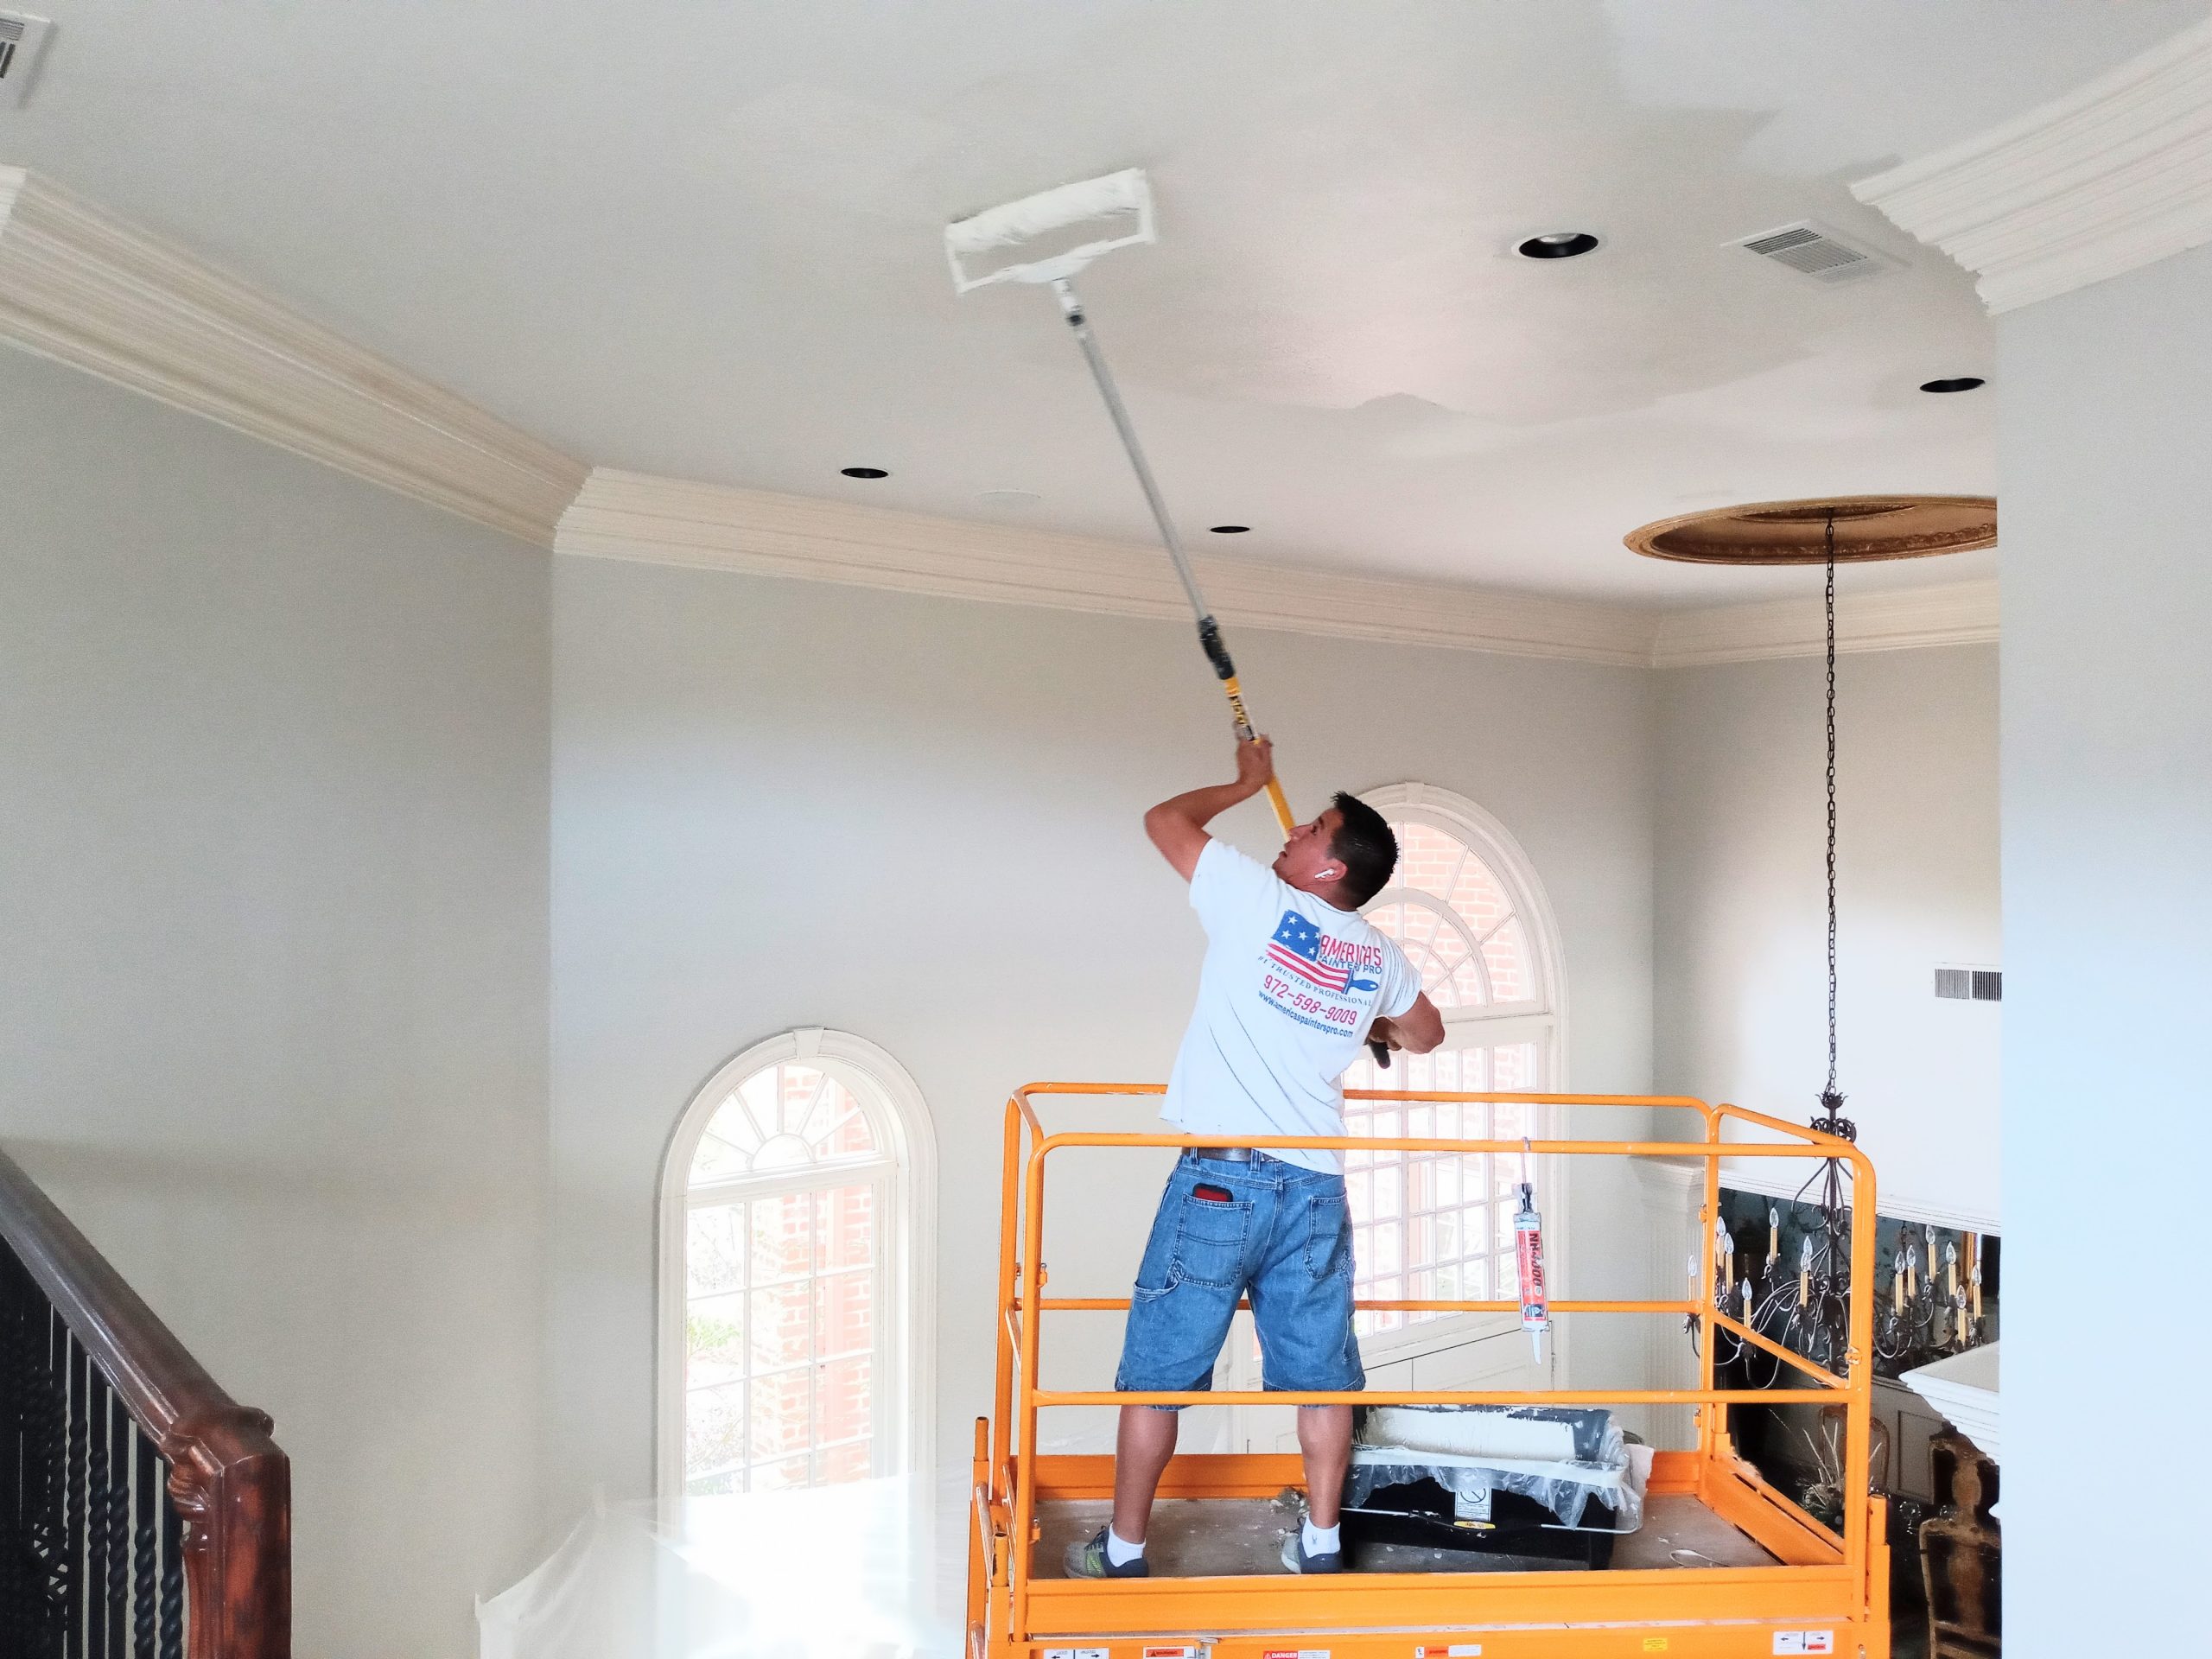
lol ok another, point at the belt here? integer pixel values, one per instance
(1226, 1154)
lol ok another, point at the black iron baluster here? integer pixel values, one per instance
(15, 1545)
(79, 1445)
(97, 1398)
(120, 1434)
(172, 1578)
(149, 1486)
(54, 1573)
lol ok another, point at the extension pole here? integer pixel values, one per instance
(1209, 630)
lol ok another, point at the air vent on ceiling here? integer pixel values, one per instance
(1970, 984)
(21, 37)
(1816, 251)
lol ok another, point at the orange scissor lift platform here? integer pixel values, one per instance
(1787, 1585)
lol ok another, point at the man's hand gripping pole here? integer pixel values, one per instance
(1217, 654)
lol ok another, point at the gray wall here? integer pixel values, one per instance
(780, 803)
(273, 886)
(1740, 987)
(2107, 694)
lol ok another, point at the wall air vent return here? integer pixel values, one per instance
(20, 38)
(1970, 984)
(1814, 250)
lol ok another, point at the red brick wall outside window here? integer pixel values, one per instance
(785, 1286)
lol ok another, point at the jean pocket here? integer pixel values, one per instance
(1328, 1237)
(1210, 1236)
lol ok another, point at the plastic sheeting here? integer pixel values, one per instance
(869, 1570)
(1606, 1466)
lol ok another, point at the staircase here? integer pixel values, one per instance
(144, 1513)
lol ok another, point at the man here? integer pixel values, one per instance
(1294, 983)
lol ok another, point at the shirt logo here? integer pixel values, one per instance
(1296, 948)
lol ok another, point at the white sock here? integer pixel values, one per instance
(1319, 1541)
(1118, 1552)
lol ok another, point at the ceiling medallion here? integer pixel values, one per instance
(1868, 529)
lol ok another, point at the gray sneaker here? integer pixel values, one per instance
(1088, 1559)
(1295, 1558)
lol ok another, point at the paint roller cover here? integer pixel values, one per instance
(1117, 194)
(1545, 1433)
(1049, 237)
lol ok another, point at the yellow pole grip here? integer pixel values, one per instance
(1276, 798)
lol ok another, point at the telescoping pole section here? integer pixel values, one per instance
(1209, 630)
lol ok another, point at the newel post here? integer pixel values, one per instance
(233, 1486)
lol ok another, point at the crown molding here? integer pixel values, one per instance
(637, 515)
(83, 287)
(2113, 176)
(1957, 614)
(621, 515)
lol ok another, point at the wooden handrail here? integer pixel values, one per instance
(227, 1475)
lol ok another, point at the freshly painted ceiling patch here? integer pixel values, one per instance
(1009, 498)
(1961, 383)
(1557, 244)
(864, 472)
(1816, 251)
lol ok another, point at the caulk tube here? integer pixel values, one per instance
(1528, 1256)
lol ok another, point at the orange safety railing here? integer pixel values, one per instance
(1825, 1583)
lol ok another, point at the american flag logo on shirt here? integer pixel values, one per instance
(1296, 948)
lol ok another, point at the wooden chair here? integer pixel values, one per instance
(1962, 1554)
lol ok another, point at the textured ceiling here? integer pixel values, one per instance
(701, 239)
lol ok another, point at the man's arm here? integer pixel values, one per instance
(1418, 1030)
(1178, 827)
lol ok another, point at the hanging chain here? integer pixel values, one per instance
(1830, 1099)
(1831, 621)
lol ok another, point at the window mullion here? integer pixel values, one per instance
(880, 1394)
(807, 1179)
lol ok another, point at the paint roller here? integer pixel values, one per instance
(1517, 1432)
(1046, 239)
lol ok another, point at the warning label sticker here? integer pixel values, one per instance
(1457, 1651)
(1804, 1641)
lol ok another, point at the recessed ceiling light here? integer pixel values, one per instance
(1230, 530)
(1961, 382)
(864, 472)
(1557, 245)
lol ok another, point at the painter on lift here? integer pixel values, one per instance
(1294, 983)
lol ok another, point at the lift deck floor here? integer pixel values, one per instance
(1195, 1538)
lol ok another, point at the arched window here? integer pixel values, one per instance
(794, 1229)
(1465, 906)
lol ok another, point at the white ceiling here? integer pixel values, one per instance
(702, 239)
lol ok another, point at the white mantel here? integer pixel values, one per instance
(1964, 1389)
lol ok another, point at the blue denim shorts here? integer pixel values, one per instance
(1280, 1236)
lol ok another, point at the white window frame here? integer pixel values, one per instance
(907, 1407)
(1540, 1019)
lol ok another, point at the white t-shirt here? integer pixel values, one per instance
(1290, 986)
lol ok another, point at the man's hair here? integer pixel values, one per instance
(1367, 848)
